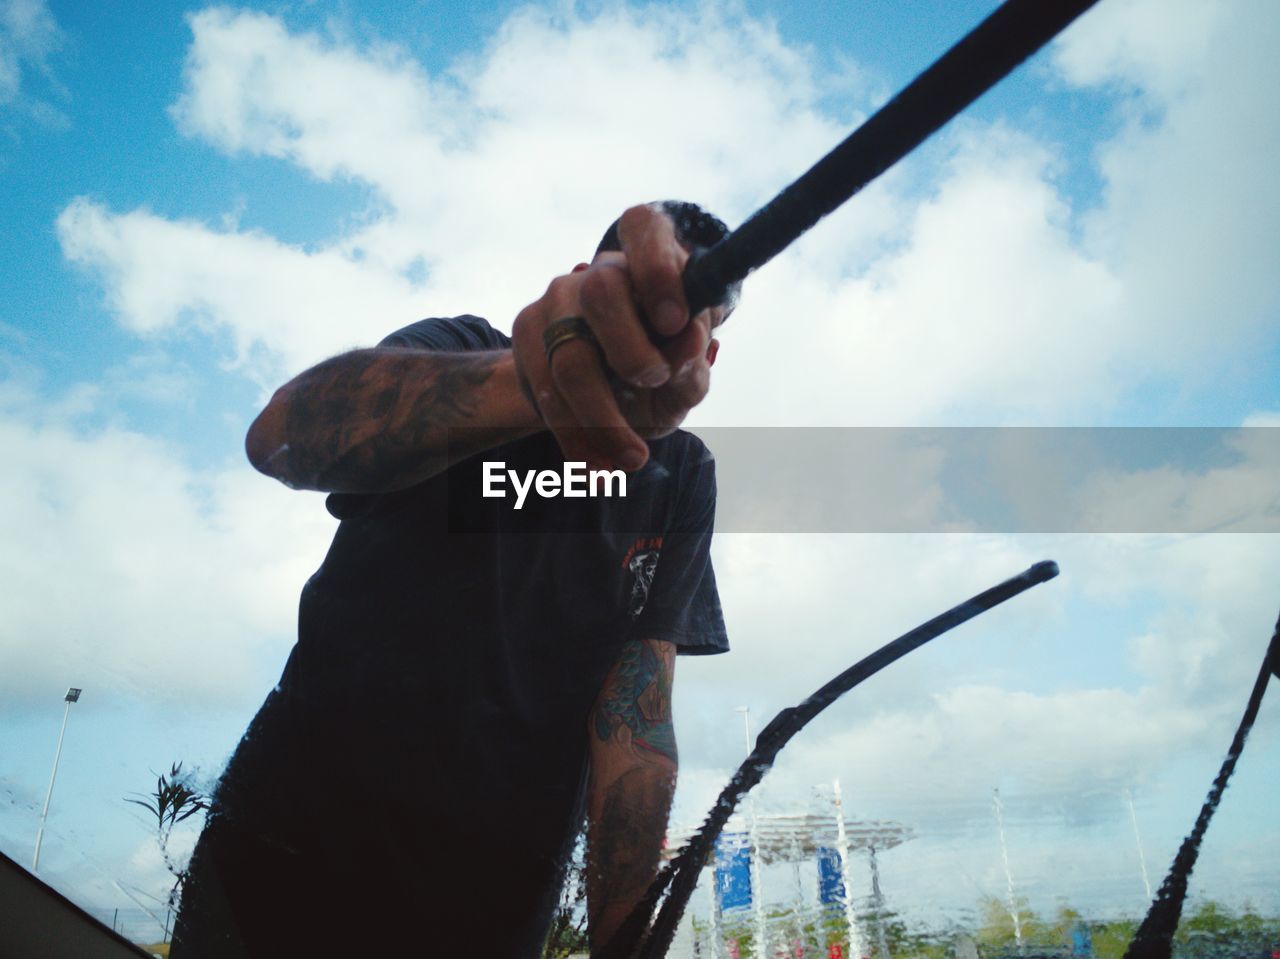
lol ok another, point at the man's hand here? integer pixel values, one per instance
(650, 363)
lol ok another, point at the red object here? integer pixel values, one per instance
(834, 951)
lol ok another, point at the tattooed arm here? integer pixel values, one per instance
(381, 419)
(633, 776)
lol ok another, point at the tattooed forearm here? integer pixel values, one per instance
(383, 414)
(623, 857)
(379, 419)
(633, 777)
(637, 698)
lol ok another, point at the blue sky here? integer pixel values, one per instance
(203, 200)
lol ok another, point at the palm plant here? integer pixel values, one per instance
(172, 802)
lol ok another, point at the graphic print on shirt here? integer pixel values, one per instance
(642, 561)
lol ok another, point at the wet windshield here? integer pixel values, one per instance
(1049, 333)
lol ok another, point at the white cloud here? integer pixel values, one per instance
(1217, 603)
(1058, 747)
(1142, 651)
(299, 306)
(1128, 672)
(147, 870)
(1154, 46)
(471, 167)
(375, 116)
(977, 302)
(987, 311)
(1236, 499)
(28, 34)
(801, 608)
(162, 582)
(1182, 614)
(1191, 218)
(252, 87)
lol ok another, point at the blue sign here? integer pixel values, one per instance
(733, 871)
(1081, 941)
(830, 876)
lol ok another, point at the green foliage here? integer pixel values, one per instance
(1111, 939)
(813, 930)
(1066, 920)
(1208, 930)
(1212, 929)
(1252, 924)
(1209, 918)
(998, 933)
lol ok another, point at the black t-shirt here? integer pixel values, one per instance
(450, 649)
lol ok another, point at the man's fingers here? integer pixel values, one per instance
(688, 346)
(582, 386)
(556, 414)
(632, 346)
(610, 310)
(571, 391)
(655, 260)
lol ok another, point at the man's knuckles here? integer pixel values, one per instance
(636, 220)
(605, 291)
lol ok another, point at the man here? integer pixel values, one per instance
(468, 674)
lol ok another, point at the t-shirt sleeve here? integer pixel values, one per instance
(683, 606)
(453, 334)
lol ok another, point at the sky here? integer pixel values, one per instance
(203, 200)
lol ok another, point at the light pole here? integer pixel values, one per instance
(72, 696)
(757, 893)
(1137, 838)
(856, 948)
(1008, 873)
